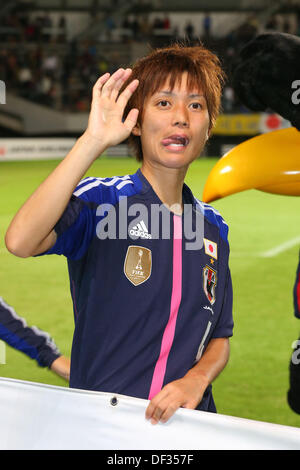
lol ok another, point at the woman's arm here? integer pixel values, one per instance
(188, 391)
(31, 230)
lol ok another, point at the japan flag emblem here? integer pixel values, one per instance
(211, 248)
(210, 283)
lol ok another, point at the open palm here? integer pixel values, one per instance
(106, 121)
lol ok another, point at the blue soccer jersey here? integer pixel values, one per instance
(150, 289)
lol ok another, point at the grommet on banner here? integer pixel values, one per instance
(114, 401)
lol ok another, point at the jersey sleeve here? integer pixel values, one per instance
(296, 292)
(90, 202)
(224, 326)
(32, 341)
(75, 229)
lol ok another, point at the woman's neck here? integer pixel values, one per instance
(167, 184)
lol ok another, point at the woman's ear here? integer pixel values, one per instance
(136, 130)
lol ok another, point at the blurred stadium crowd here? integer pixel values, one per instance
(38, 61)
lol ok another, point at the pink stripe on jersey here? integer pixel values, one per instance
(168, 336)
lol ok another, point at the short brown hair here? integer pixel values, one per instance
(152, 71)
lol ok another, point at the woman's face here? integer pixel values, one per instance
(175, 126)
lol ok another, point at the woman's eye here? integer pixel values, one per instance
(196, 105)
(163, 103)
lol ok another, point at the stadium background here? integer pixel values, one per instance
(51, 53)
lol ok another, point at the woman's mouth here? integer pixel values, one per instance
(175, 142)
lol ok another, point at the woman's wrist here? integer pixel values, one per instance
(93, 146)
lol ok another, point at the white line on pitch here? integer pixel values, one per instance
(280, 248)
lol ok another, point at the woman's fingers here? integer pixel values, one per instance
(127, 93)
(113, 82)
(131, 119)
(99, 84)
(106, 82)
(119, 83)
(108, 106)
(109, 86)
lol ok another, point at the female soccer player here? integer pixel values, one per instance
(152, 305)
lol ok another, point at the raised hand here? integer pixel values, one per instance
(106, 121)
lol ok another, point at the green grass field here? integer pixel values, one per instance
(255, 381)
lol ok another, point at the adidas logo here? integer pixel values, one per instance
(140, 230)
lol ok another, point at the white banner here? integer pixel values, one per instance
(43, 417)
